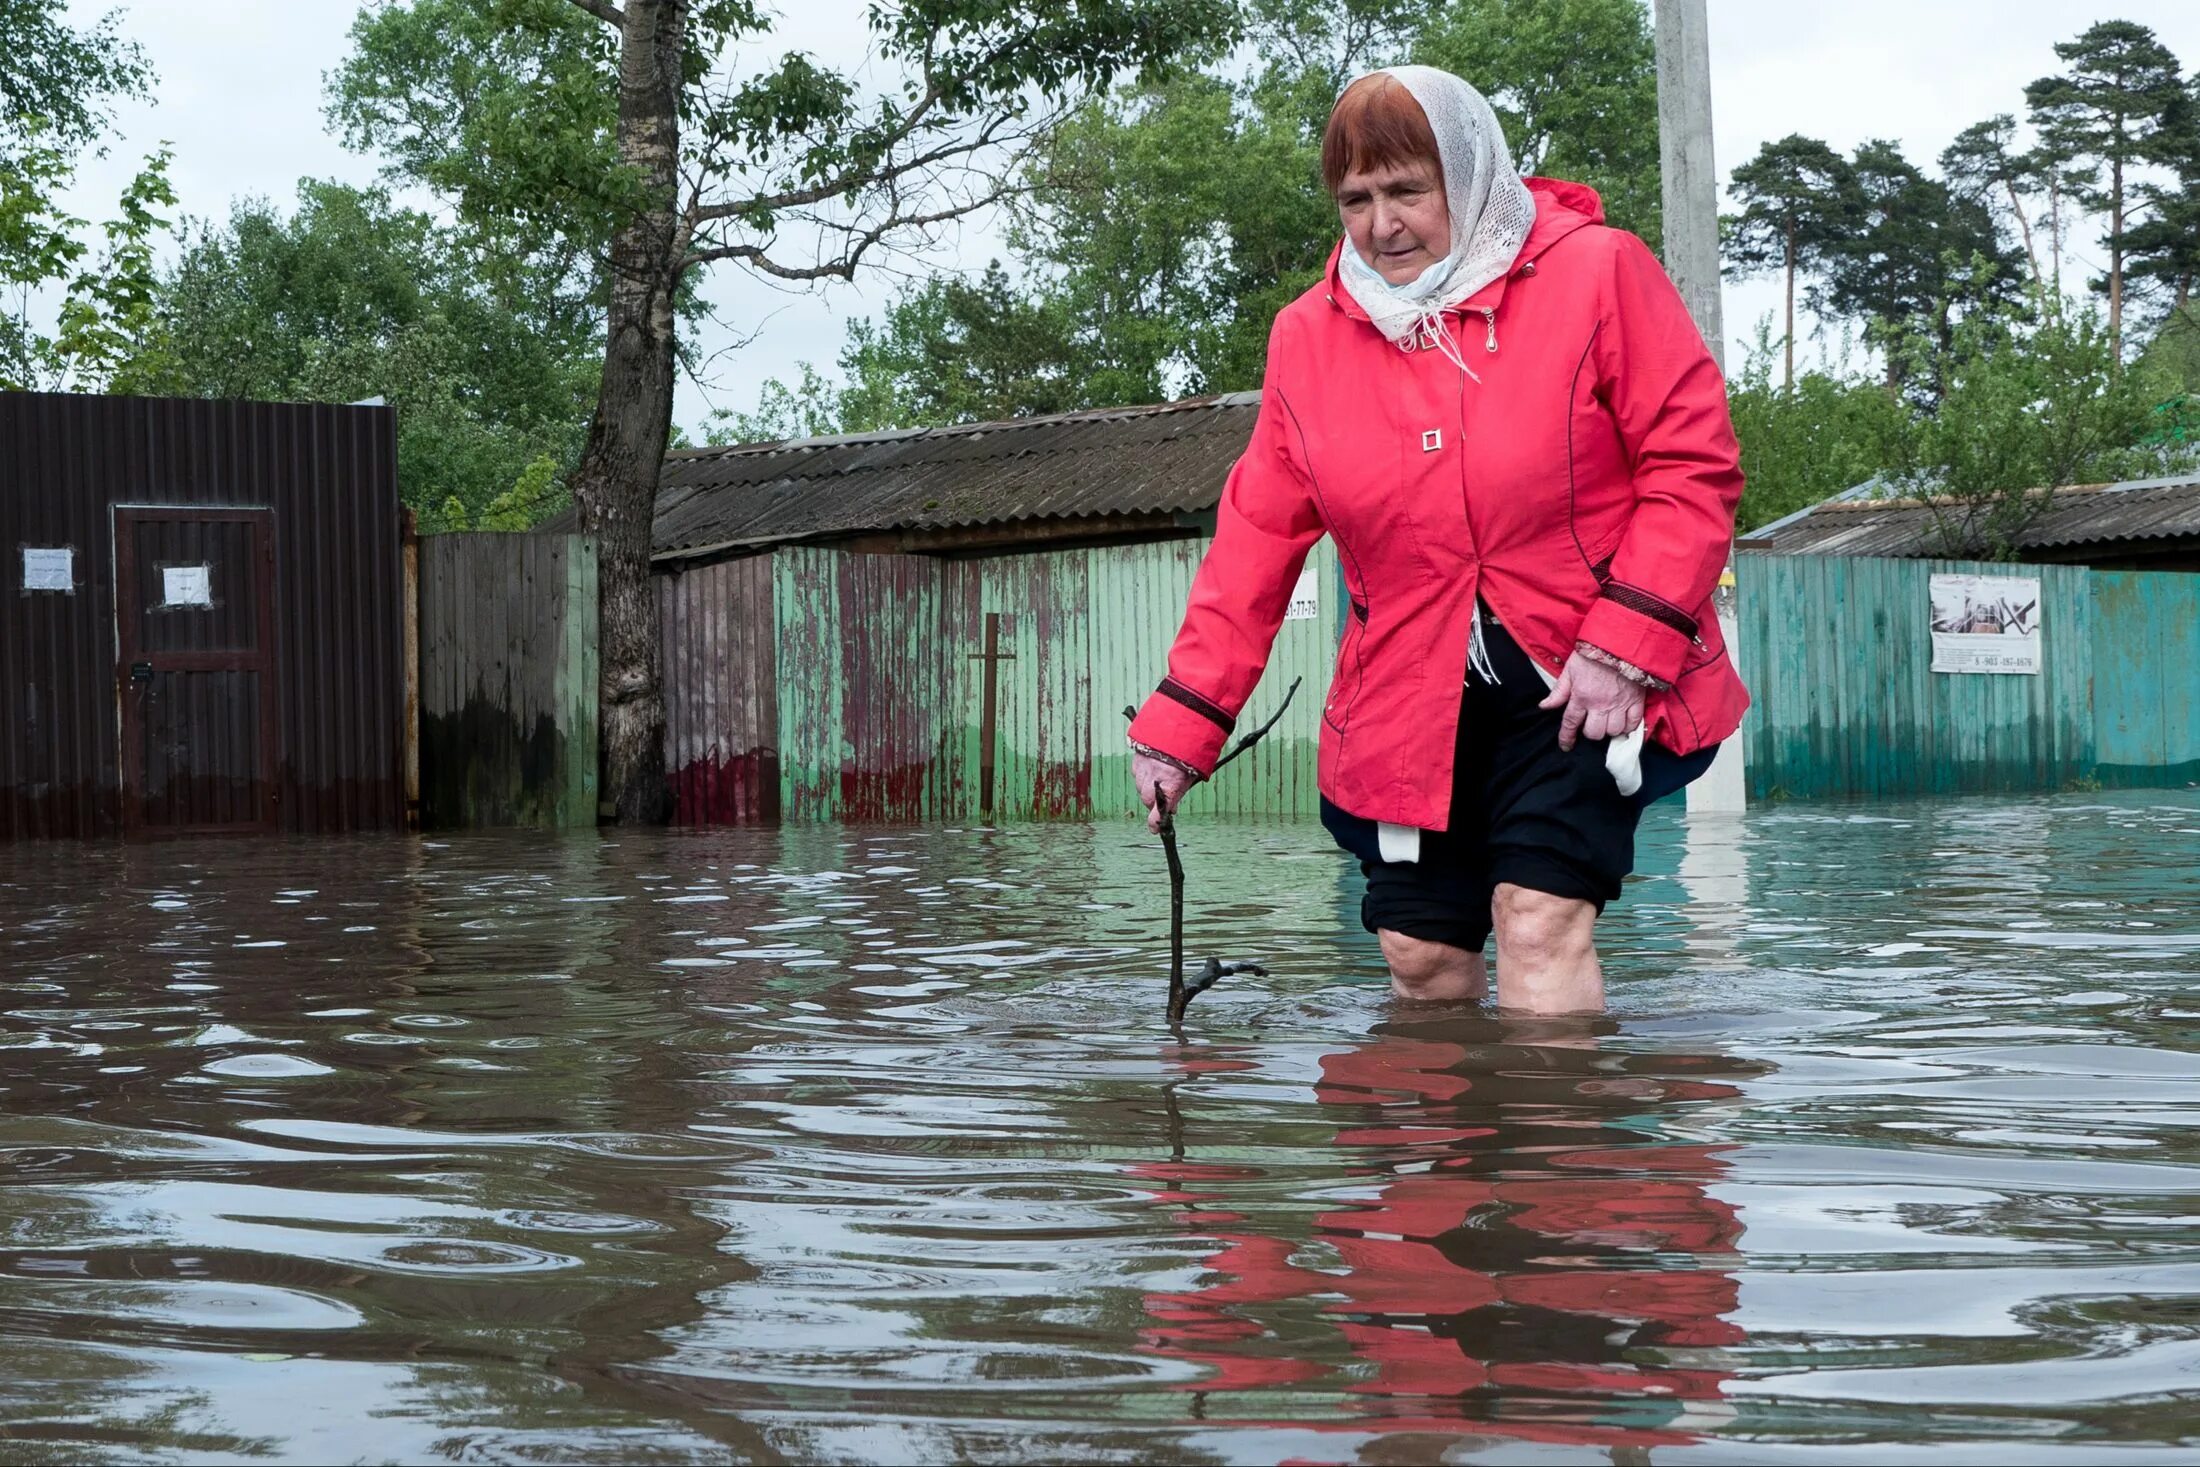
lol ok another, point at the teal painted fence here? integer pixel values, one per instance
(508, 673)
(1837, 652)
(880, 677)
(2146, 678)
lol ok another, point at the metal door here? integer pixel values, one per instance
(195, 674)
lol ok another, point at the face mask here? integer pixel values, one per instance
(1420, 287)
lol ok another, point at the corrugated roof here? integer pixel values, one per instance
(1169, 458)
(2085, 514)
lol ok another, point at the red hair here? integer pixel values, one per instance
(1376, 124)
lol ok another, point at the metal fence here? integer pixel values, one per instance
(1838, 655)
(248, 672)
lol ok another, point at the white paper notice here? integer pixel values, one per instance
(1306, 598)
(49, 569)
(187, 585)
(1986, 624)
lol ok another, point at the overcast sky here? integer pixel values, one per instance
(239, 97)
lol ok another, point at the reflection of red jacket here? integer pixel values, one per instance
(1584, 487)
(1589, 1240)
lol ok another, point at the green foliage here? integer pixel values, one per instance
(1918, 256)
(1805, 443)
(1164, 226)
(505, 108)
(2034, 400)
(2117, 106)
(1575, 84)
(56, 80)
(811, 409)
(351, 297)
(106, 295)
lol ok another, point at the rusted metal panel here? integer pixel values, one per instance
(508, 680)
(326, 474)
(721, 692)
(869, 698)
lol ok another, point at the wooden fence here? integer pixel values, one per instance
(508, 680)
(1837, 652)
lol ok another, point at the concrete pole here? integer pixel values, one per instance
(1691, 199)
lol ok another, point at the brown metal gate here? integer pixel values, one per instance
(195, 671)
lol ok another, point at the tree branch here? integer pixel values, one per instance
(604, 11)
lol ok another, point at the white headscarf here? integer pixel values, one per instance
(1491, 213)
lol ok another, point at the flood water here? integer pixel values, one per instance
(867, 1144)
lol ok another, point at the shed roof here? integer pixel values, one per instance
(2077, 516)
(1168, 458)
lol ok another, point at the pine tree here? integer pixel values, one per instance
(2108, 107)
(1983, 165)
(1798, 206)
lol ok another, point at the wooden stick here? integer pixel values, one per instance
(1262, 732)
(1179, 996)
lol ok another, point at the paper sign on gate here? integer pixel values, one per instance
(49, 568)
(1986, 623)
(1306, 598)
(187, 585)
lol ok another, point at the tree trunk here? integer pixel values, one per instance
(2116, 263)
(615, 484)
(2016, 207)
(1789, 384)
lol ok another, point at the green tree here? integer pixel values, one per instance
(1575, 84)
(2035, 400)
(629, 130)
(1161, 229)
(58, 80)
(105, 295)
(2164, 248)
(1984, 166)
(1798, 207)
(351, 297)
(1918, 257)
(2108, 108)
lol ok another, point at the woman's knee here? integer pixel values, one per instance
(1538, 927)
(1424, 969)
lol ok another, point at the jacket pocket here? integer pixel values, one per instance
(1344, 686)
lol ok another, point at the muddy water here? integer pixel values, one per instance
(865, 1145)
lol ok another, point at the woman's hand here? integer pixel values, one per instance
(1599, 703)
(1174, 780)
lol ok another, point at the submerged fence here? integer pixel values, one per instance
(817, 684)
(1838, 652)
(508, 667)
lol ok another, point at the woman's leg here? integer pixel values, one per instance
(1434, 972)
(1546, 953)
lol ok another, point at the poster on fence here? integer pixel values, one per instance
(1986, 624)
(1306, 598)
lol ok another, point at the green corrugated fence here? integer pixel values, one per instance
(881, 671)
(1838, 651)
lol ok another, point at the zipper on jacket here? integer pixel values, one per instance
(1489, 319)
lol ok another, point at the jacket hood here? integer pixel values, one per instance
(1561, 207)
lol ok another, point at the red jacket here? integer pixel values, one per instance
(1584, 488)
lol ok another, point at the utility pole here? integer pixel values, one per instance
(1691, 197)
(1684, 159)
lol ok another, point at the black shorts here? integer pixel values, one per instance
(1523, 811)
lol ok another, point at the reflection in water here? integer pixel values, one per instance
(1520, 1256)
(863, 1145)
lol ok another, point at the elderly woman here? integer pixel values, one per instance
(1501, 411)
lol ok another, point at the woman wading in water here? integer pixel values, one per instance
(1501, 411)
